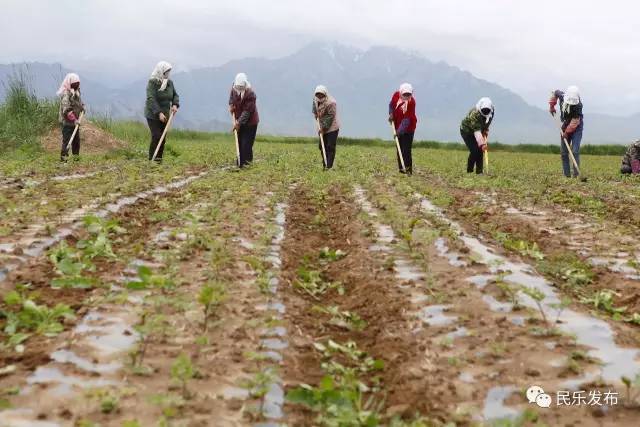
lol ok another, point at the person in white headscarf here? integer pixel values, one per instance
(162, 101)
(244, 110)
(402, 113)
(325, 110)
(71, 107)
(572, 124)
(474, 130)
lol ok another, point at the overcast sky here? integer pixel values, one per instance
(528, 47)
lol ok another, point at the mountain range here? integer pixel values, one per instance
(361, 81)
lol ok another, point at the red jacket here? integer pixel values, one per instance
(403, 122)
(245, 108)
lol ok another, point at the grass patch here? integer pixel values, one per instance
(24, 117)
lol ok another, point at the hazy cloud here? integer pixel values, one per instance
(529, 47)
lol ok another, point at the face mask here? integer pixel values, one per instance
(406, 96)
(485, 111)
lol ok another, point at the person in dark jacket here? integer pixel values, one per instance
(325, 110)
(572, 124)
(631, 159)
(162, 100)
(474, 130)
(242, 105)
(402, 113)
(71, 107)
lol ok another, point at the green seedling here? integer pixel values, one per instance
(32, 318)
(337, 403)
(632, 387)
(332, 254)
(150, 325)
(603, 300)
(343, 319)
(108, 404)
(634, 318)
(568, 269)
(183, 371)
(210, 297)
(510, 292)
(524, 248)
(263, 282)
(259, 384)
(311, 282)
(537, 296)
(560, 307)
(98, 244)
(71, 264)
(355, 357)
(170, 404)
(148, 280)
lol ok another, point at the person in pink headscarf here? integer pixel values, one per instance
(69, 114)
(402, 113)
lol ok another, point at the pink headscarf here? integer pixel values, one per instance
(69, 79)
(402, 103)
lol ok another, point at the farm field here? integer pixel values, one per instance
(194, 294)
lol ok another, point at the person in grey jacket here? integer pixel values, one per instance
(162, 100)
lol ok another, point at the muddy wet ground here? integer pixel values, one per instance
(330, 285)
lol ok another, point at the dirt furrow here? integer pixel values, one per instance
(464, 287)
(17, 250)
(343, 308)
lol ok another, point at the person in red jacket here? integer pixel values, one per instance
(402, 113)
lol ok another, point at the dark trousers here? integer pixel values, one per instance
(476, 155)
(156, 127)
(330, 142)
(246, 138)
(406, 142)
(67, 131)
(574, 143)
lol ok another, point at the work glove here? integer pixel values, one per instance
(162, 117)
(565, 135)
(235, 127)
(77, 123)
(174, 108)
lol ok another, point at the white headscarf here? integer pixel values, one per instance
(571, 97)
(404, 103)
(322, 104)
(159, 72)
(241, 84)
(69, 79)
(321, 89)
(485, 103)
